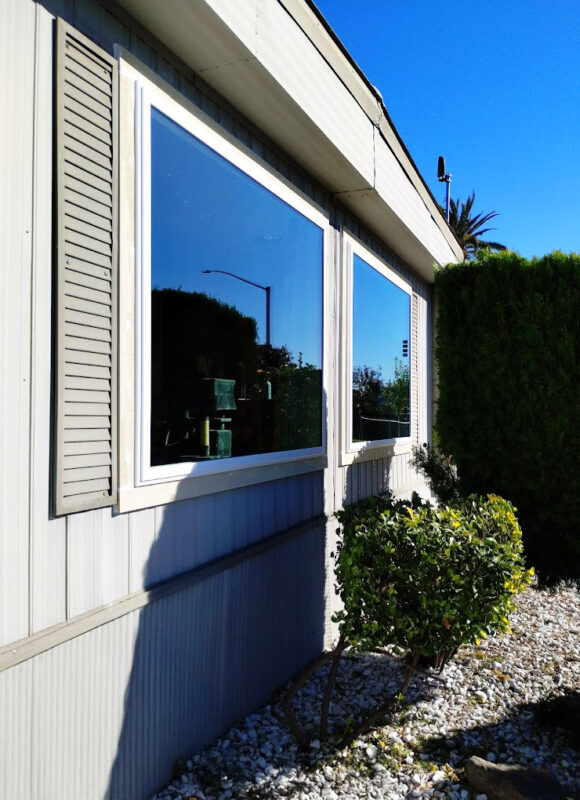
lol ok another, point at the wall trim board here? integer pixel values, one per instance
(17, 652)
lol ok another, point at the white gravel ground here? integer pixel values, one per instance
(482, 706)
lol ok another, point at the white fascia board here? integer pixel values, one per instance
(395, 189)
(370, 100)
(296, 65)
(221, 45)
(275, 62)
(380, 218)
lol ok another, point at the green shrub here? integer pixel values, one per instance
(508, 357)
(441, 471)
(427, 579)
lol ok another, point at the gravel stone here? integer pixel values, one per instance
(482, 704)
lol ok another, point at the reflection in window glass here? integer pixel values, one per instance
(236, 309)
(380, 348)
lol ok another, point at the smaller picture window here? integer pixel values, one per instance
(378, 389)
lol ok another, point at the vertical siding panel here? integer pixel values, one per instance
(164, 558)
(396, 480)
(368, 478)
(98, 555)
(424, 362)
(208, 528)
(48, 537)
(347, 484)
(16, 731)
(219, 524)
(255, 500)
(79, 689)
(359, 480)
(356, 481)
(375, 468)
(17, 36)
(115, 556)
(187, 534)
(363, 478)
(386, 468)
(283, 499)
(141, 537)
(269, 508)
(353, 482)
(312, 500)
(403, 472)
(415, 373)
(158, 559)
(99, 24)
(347, 477)
(243, 518)
(166, 71)
(142, 50)
(62, 8)
(340, 491)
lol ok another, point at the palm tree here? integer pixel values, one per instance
(469, 229)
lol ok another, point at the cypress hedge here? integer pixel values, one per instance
(508, 354)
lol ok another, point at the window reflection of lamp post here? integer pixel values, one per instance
(266, 289)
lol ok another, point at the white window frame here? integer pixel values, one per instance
(144, 485)
(364, 451)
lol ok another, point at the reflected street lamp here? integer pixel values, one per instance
(266, 289)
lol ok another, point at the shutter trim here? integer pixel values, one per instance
(86, 225)
(415, 405)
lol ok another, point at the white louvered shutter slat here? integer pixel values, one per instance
(415, 368)
(86, 280)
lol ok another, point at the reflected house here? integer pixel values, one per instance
(174, 445)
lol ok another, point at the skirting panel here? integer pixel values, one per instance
(105, 715)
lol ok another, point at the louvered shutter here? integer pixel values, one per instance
(86, 274)
(414, 368)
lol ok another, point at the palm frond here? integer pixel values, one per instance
(469, 229)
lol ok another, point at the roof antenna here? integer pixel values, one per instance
(444, 177)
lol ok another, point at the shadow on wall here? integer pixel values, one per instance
(365, 478)
(216, 649)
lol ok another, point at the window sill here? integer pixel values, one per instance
(372, 452)
(133, 498)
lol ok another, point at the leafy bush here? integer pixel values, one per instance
(441, 471)
(421, 578)
(508, 354)
(427, 579)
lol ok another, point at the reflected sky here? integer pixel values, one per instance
(381, 319)
(209, 215)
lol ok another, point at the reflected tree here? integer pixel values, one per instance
(275, 401)
(380, 407)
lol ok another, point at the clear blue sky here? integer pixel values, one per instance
(495, 88)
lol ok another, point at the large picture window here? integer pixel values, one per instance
(232, 297)
(378, 342)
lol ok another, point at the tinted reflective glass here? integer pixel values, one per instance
(381, 333)
(236, 305)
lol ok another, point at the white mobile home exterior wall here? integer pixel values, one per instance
(127, 639)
